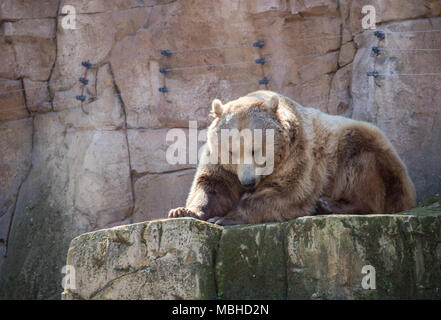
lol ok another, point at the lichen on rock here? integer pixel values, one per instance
(317, 257)
(162, 259)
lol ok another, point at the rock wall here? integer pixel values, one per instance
(323, 257)
(64, 172)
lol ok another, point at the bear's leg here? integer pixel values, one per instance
(228, 220)
(184, 212)
(370, 177)
(358, 186)
(329, 206)
(322, 207)
(209, 197)
(263, 206)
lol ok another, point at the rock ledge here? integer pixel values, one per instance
(319, 257)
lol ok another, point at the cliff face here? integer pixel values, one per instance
(64, 172)
(323, 257)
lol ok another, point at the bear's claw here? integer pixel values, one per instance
(216, 220)
(181, 212)
(223, 221)
(184, 212)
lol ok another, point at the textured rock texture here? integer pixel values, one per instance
(318, 257)
(326, 257)
(163, 259)
(15, 163)
(64, 173)
(406, 108)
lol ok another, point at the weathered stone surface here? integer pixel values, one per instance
(327, 254)
(100, 30)
(314, 94)
(340, 97)
(319, 257)
(12, 102)
(389, 10)
(97, 188)
(250, 262)
(5, 221)
(24, 9)
(35, 58)
(148, 149)
(33, 46)
(79, 181)
(155, 196)
(197, 76)
(347, 53)
(15, 162)
(261, 6)
(316, 7)
(165, 259)
(311, 45)
(8, 67)
(319, 66)
(105, 111)
(37, 96)
(405, 107)
(101, 6)
(34, 28)
(15, 159)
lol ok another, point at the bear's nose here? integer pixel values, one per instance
(249, 183)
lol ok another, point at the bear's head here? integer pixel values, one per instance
(249, 137)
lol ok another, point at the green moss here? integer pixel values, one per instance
(253, 254)
(430, 201)
(321, 256)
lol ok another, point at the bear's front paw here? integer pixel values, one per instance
(214, 220)
(184, 212)
(224, 221)
(180, 212)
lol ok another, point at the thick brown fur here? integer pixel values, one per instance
(321, 162)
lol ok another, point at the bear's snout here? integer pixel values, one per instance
(246, 175)
(249, 183)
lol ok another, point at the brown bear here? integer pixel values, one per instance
(321, 163)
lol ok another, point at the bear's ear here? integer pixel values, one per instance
(274, 103)
(216, 108)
